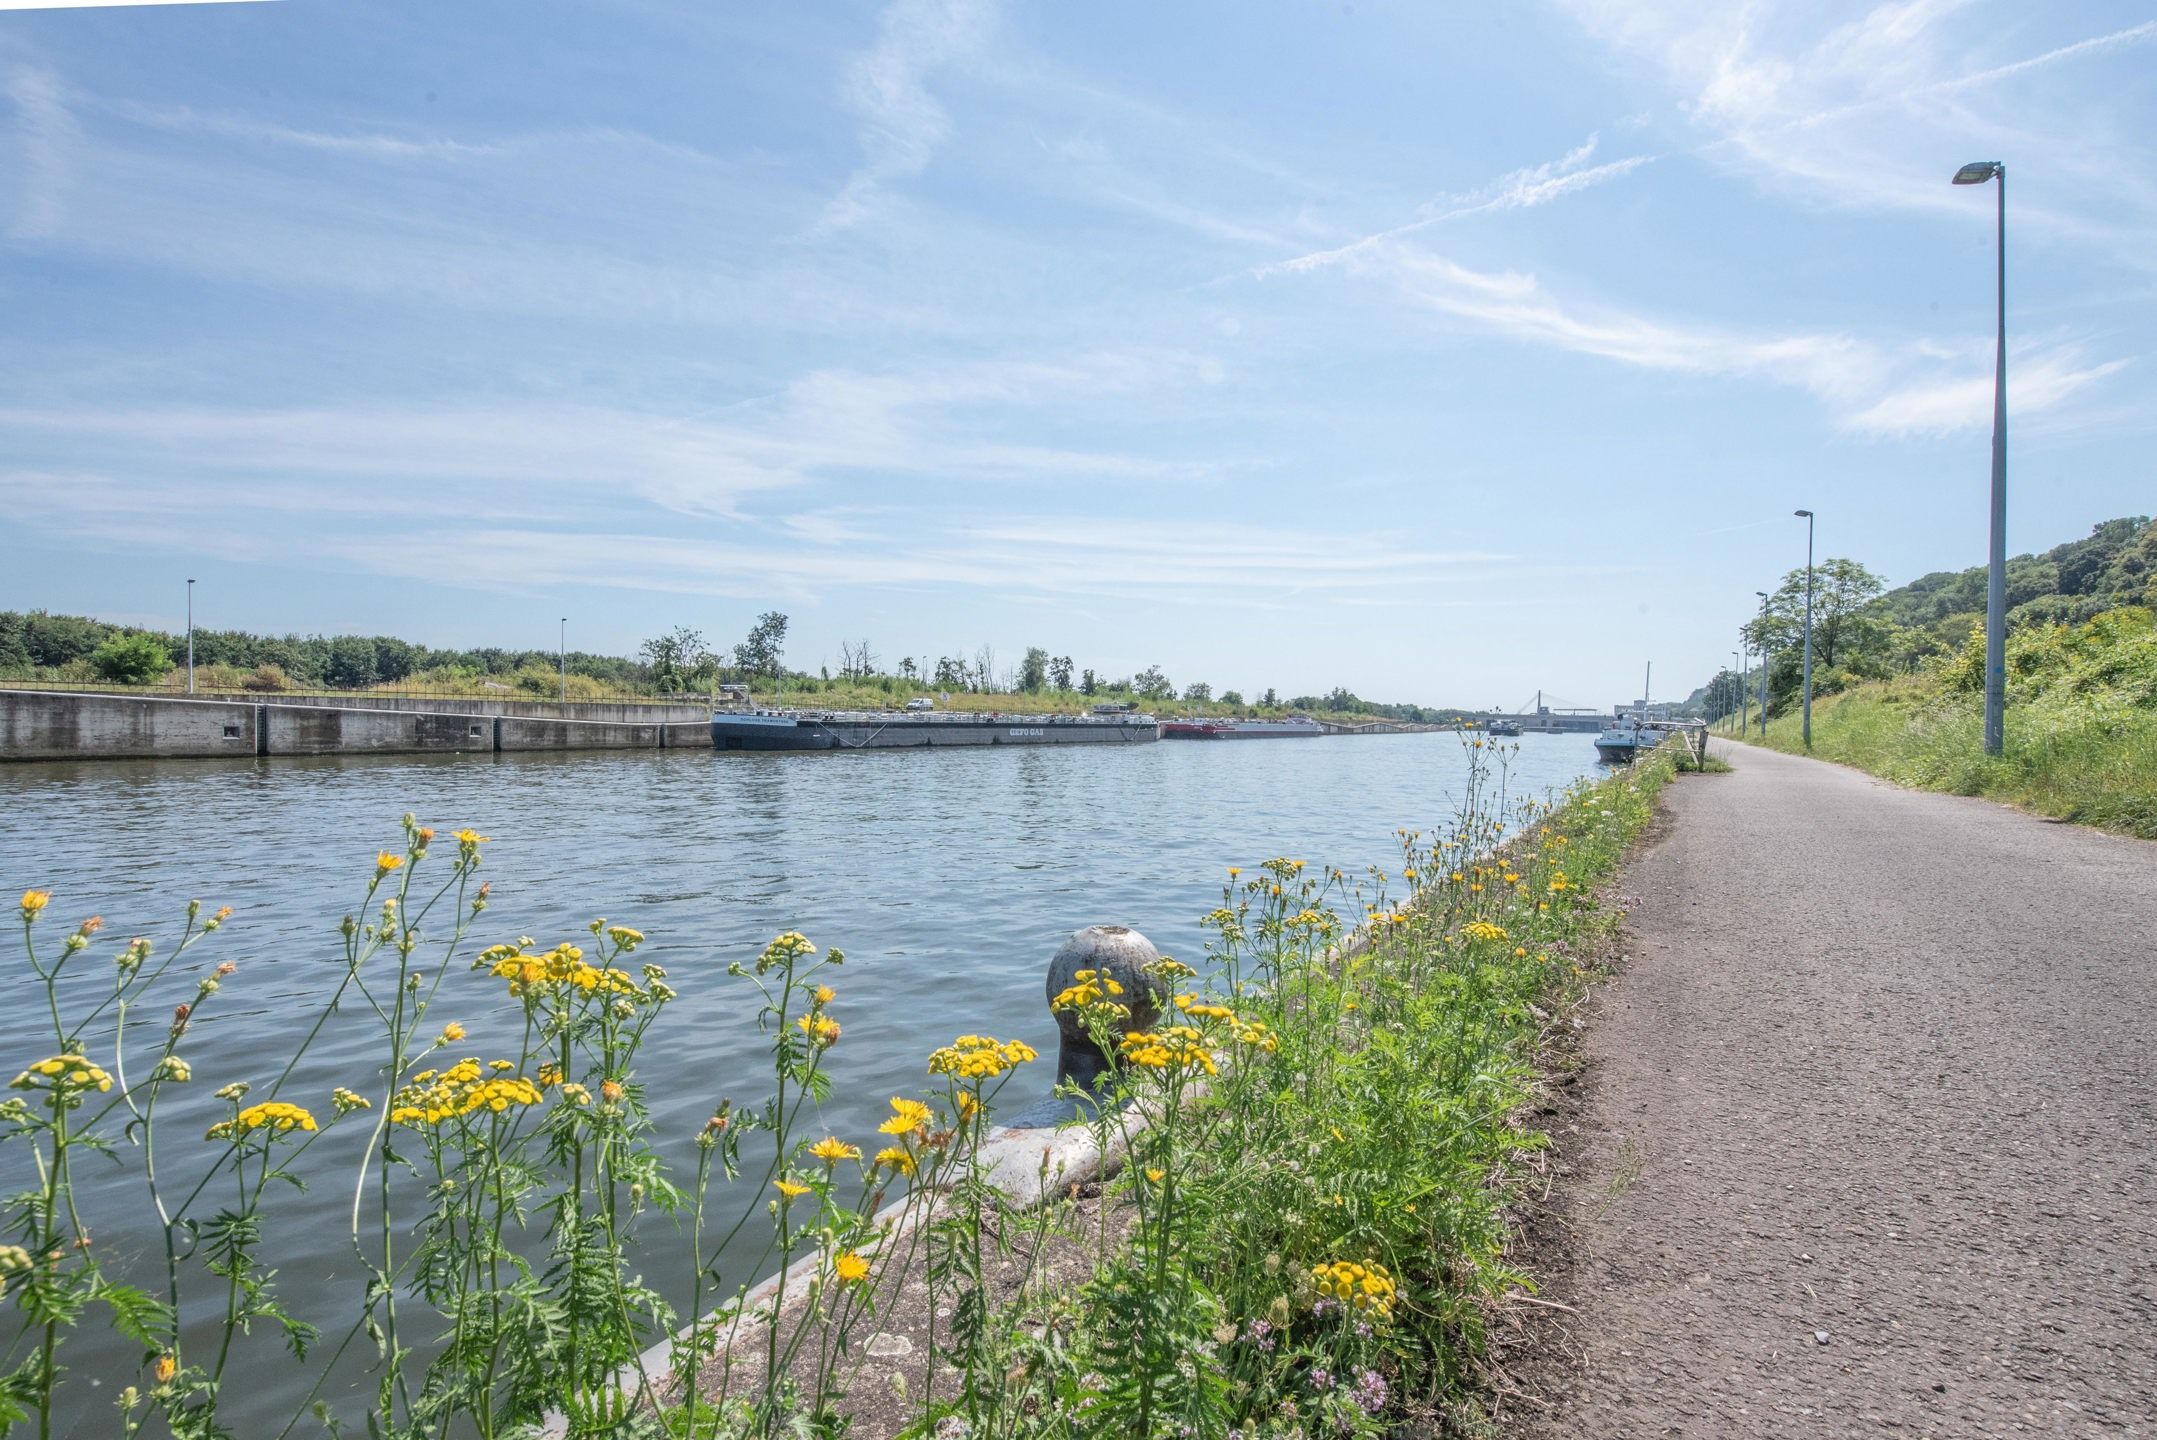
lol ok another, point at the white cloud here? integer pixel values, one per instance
(903, 124)
(825, 426)
(46, 139)
(1868, 385)
(1523, 189)
(2035, 383)
(1876, 112)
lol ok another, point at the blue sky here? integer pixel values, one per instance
(1441, 355)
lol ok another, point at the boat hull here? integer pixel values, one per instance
(922, 732)
(1273, 730)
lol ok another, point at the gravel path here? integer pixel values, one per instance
(1869, 1138)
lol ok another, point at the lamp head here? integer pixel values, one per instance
(1978, 172)
(1804, 514)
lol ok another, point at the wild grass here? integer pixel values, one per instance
(2080, 725)
(1323, 1125)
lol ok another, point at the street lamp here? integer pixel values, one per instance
(1739, 661)
(564, 657)
(1806, 515)
(1763, 648)
(1996, 581)
(190, 634)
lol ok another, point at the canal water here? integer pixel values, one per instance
(948, 877)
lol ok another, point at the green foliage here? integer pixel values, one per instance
(763, 652)
(131, 660)
(2081, 723)
(1033, 670)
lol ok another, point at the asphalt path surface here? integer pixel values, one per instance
(1868, 1141)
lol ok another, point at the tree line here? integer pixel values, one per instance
(680, 661)
(1864, 631)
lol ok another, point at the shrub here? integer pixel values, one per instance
(266, 678)
(131, 660)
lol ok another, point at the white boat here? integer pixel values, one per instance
(1631, 732)
(1627, 738)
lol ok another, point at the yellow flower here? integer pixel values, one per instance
(824, 994)
(822, 1030)
(385, 862)
(34, 901)
(348, 1100)
(831, 1150)
(906, 1115)
(978, 1057)
(273, 1115)
(625, 937)
(1367, 1286)
(610, 1090)
(451, 1034)
(784, 949)
(64, 1072)
(790, 1190)
(165, 1368)
(1233, 872)
(849, 1267)
(468, 836)
(1156, 1174)
(895, 1158)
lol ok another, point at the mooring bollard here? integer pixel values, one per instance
(1121, 954)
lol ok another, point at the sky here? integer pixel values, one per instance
(1447, 353)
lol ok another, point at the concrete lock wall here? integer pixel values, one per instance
(301, 730)
(517, 733)
(59, 725)
(37, 725)
(619, 712)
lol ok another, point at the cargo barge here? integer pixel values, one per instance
(872, 730)
(1295, 727)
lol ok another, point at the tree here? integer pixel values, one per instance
(950, 673)
(1198, 692)
(1269, 699)
(856, 660)
(1089, 683)
(1034, 669)
(1060, 672)
(679, 659)
(1153, 685)
(131, 660)
(985, 668)
(394, 659)
(350, 664)
(1231, 697)
(1842, 589)
(907, 669)
(763, 653)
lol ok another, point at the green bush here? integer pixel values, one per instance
(131, 660)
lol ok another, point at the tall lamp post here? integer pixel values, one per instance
(1763, 648)
(190, 634)
(1996, 581)
(1806, 516)
(563, 655)
(1739, 661)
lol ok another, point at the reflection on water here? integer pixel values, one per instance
(947, 876)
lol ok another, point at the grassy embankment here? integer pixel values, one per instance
(2081, 725)
(842, 694)
(1319, 1204)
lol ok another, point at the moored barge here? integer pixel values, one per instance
(873, 730)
